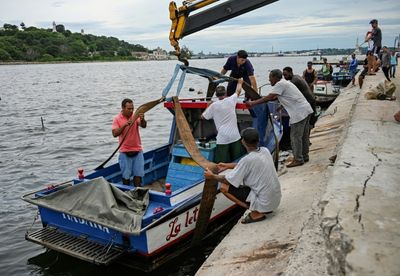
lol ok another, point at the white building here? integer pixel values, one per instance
(159, 54)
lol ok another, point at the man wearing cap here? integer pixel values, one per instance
(253, 182)
(376, 37)
(240, 67)
(223, 112)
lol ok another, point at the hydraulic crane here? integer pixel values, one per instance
(184, 24)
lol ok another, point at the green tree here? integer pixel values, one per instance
(4, 55)
(53, 50)
(44, 45)
(32, 53)
(186, 53)
(16, 53)
(78, 48)
(29, 29)
(60, 28)
(123, 52)
(46, 57)
(10, 27)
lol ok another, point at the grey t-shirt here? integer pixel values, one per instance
(256, 170)
(302, 85)
(377, 37)
(385, 59)
(292, 100)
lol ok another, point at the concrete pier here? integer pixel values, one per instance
(340, 212)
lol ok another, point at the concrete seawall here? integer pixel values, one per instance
(340, 212)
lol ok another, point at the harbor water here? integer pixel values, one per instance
(77, 102)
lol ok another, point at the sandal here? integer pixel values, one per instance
(249, 219)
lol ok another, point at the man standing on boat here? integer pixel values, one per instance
(299, 110)
(327, 70)
(131, 160)
(310, 76)
(223, 112)
(240, 67)
(253, 182)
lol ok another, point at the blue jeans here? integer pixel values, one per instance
(393, 70)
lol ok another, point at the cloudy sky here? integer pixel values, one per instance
(284, 25)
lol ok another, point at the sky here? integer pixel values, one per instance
(285, 25)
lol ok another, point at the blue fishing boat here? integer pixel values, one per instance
(342, 78)
(96, 218)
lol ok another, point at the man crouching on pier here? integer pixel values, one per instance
(253, 183)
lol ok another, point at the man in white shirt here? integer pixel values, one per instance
(298, 109)
(253, 182)
(223, 112)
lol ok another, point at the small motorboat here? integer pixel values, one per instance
(342, 78)
(325, 92)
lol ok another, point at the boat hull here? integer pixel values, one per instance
(151, 241)
(325, 92)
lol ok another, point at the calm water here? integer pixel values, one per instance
(77, 103)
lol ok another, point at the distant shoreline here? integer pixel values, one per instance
(133, 60)
(61, 62)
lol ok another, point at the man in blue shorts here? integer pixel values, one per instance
(240, 67)
(131, 158)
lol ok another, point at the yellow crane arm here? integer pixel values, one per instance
(183, 24)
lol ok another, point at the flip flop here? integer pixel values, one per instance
(249, 219)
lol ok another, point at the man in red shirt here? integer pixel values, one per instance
(131, 160)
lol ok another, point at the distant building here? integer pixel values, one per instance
(357, 51)
(82, 32)
(54, 27)
(140, 55)
(159, 54)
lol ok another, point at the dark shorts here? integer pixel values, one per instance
(376, 50)
(240, 193)
(364, 73)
